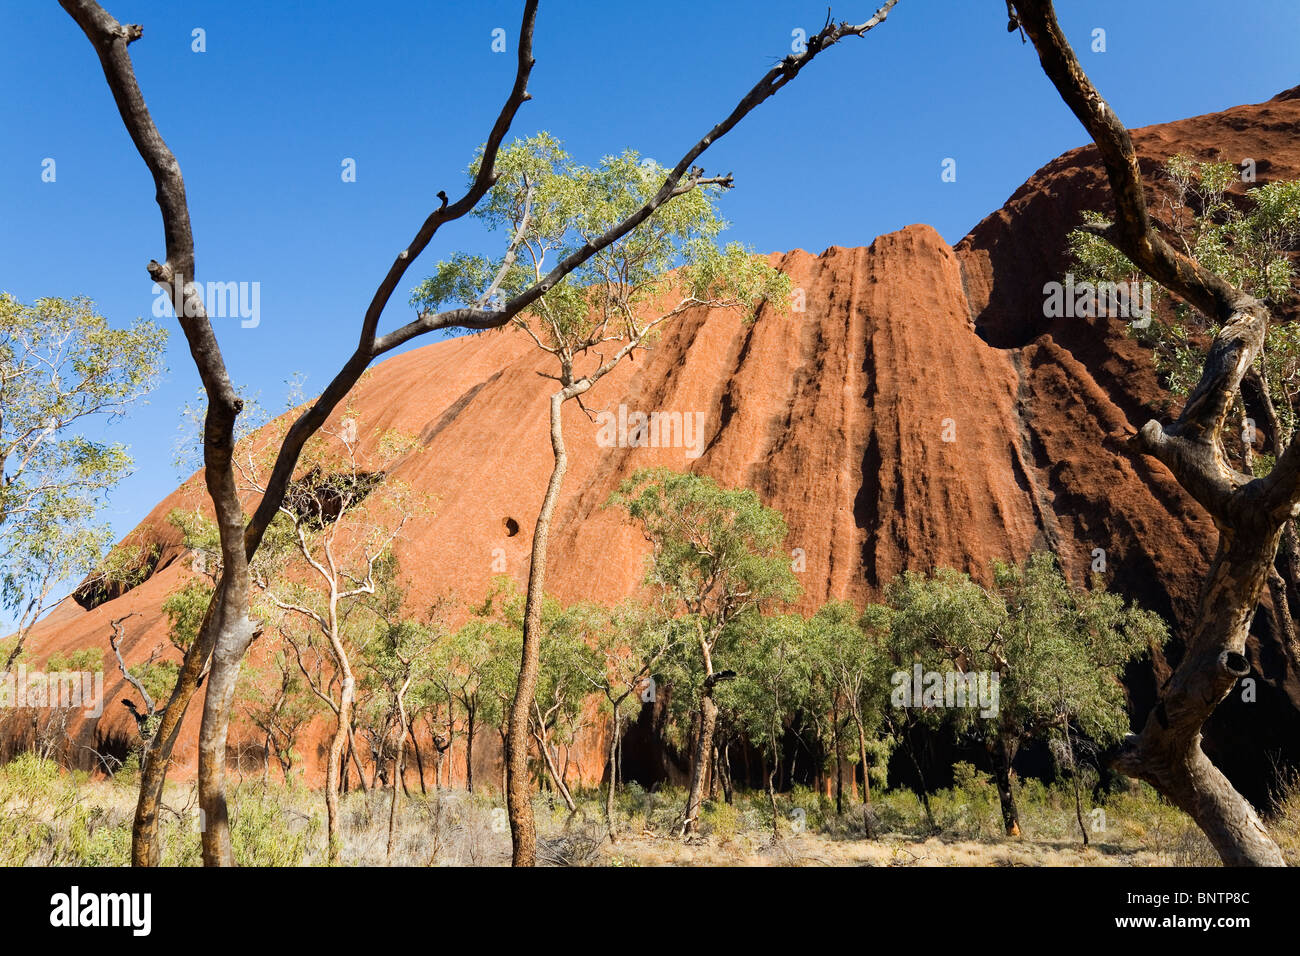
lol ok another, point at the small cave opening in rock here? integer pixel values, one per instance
(512, 527)
(318, 498)
(128, 566)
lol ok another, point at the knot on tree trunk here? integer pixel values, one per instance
(1234, 664)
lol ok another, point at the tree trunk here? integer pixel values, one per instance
(724, 772)
(713, 772)
(920, 777)
(1002, 750)
(612, 764)
(398, 758)
(862, 757)
(523, 833)
(1167, 752)
(333, 766)
(469, 753)
(419, 761)
(1289, 552)
(1074, 772)
(708, 719)
(1284, 623)
(376, 760)
(231, 642)
(552, 772)
(505, 764)
(1250, 514)
(156, 758)
(354, 758)
(771, 797)
(839, 755)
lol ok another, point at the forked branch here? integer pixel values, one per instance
(1248, 512)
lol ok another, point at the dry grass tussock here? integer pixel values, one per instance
(49, 816)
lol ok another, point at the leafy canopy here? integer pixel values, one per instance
(1250, 241)
(62, 369)
(1059, 650)
(549, 206)
(717, 552)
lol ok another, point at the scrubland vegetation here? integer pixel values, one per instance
(297, 548)
(50, 816)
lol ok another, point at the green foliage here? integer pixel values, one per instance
(61, 368)
(629, 644)
(85, 659)
(278, 702)
(158, 678)
(548, 207)
(260, 835)
(974, 802)
(775, 678)
(935, 621)
(1059, 650)
(566, 659)
(33, 799)
(128, 563)
(1249, 243)
(185, 609)
(717, 562)
(200, 534)
(329, 583)
(476, 669)
(850, 665)
(484, 659)
(717, 551)
(723, 822)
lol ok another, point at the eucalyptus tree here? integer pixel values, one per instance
(429, 707)
(62, 368)
(717, 553)
(774, 683)
(329, 561)
(1029, 657)
(399, 658)
(1250, 244)
(615, 302)
(475, 674)
(560, 706)
(629, 641)
(851, 666)
(1250, 512)
(228, 629)
(568, 656)
(277, 702)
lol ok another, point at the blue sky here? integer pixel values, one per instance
(262, 120)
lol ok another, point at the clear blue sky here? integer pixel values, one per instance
(261, 121)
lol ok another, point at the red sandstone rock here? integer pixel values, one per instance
(838, 417)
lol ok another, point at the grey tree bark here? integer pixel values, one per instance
(1250, 513)
(227, 631)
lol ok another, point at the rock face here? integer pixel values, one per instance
(920, 412)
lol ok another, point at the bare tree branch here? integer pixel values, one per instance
(226, 631)
(682, 178)
(1249, 513)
